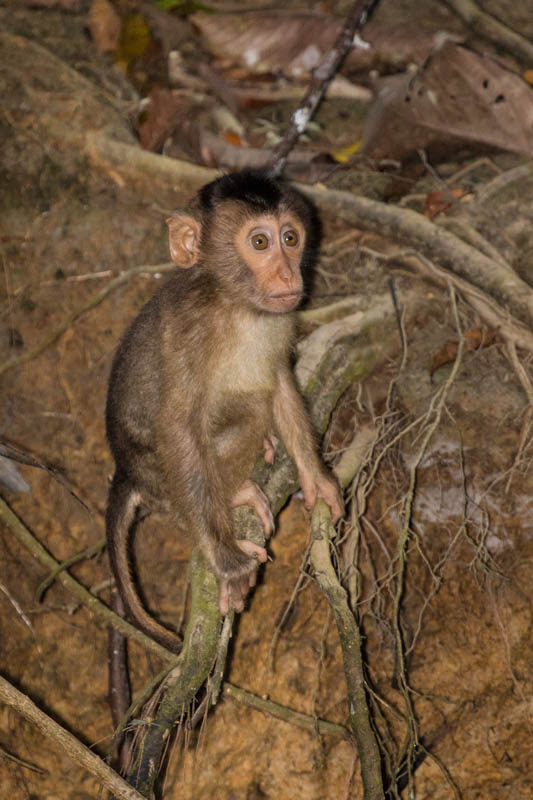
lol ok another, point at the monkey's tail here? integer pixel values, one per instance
(121, 507)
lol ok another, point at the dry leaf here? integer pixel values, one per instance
(474, 339)
(440, 200)
(165, 110)
(233, 138)
(296, 42)
(458, 95)
(105, 25)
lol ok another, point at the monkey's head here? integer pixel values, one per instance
(252, 231)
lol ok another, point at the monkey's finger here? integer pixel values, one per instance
(309, 491)
(267, 519)
(250, 494)
(253, 550)
(269, 451)
(223, 598)
(236, 596)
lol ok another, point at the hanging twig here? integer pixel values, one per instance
(321, 77)
(350, 637)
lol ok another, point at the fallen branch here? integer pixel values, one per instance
(66, 742)
(488, 309)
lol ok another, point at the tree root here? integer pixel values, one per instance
(440, 246)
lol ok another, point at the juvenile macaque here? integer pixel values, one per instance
(202, 383)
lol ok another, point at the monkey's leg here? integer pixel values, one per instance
(122, 505)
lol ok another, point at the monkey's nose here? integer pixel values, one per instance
(285, 271)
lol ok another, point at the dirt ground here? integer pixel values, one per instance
(65, 231)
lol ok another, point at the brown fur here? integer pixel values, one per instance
(200, 381)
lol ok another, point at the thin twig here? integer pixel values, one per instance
(20, 762)
(215, 681)
(493, 30)
(88, 552)
(321, 77)
(311, 724)
(21, 456)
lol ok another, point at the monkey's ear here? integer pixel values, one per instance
(184, 240)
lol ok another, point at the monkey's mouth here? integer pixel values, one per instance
(284, 301)
(286, 295)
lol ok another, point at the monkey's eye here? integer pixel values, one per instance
(259, 241)
(290, 238)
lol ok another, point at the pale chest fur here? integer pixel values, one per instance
(252, 347)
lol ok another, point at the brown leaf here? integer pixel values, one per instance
(233, 138)
(458, 95)
(474, 339)
(296, 42)
(104, 25)
(440, 200)
(165, 111)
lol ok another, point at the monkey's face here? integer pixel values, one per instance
(271, 248)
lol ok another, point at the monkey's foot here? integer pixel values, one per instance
(234, 590)
(251, 495)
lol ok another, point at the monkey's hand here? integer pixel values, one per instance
(239, 575)
(320, 484)
(251, 495)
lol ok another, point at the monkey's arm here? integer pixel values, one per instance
(293, 424)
